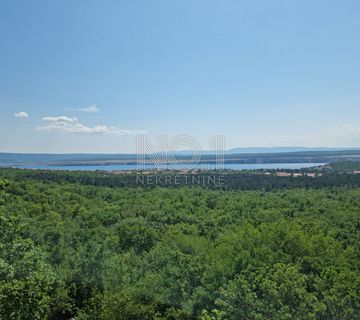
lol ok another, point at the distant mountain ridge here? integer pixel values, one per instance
(261, 150)
(247, 152)
(283, 149)
(14, 158)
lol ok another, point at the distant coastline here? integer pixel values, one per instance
(57, 160)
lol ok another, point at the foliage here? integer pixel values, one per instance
(72, 249)
(224, 180)
(345, 166)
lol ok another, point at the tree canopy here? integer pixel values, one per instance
(69, 249)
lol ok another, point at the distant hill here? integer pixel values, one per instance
(266, 150)
(21, 158)
(282, 149)
(237, 155)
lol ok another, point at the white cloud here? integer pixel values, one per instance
(90, 109)
(21, 114)
(72, 125)
(60, 119)
(347, 134)
(349, 130)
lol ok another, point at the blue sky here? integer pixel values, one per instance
(90, 75)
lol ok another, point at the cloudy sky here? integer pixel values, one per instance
(88, 76)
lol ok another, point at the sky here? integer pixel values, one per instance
(89, 76)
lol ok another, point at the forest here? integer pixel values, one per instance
(230, 179)
(90, 246)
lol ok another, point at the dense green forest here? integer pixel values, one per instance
(91, 246)
(230, 179)
(344, 166)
